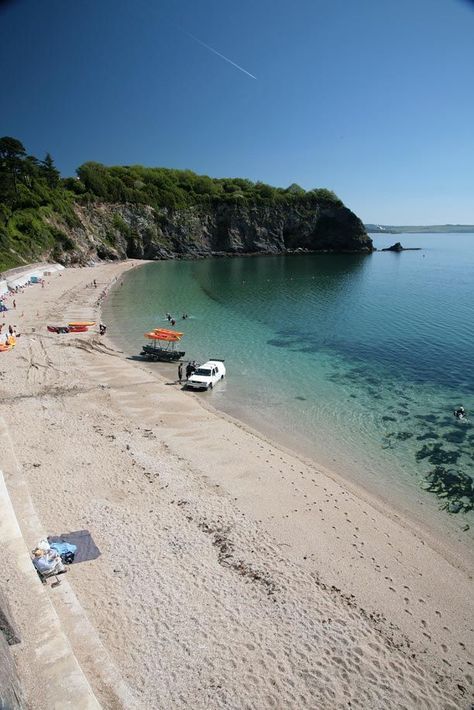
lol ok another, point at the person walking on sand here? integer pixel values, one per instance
(14, 303)
(180, 372)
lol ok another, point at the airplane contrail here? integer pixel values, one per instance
(214, 51)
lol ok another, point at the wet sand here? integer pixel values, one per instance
(233, 573)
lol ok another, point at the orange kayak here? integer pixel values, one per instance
(4, 348)
(80, 323)
(169, 337)
(169, 332)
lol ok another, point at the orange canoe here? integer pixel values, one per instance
(82, 322)
(169, 337)
(170, 332)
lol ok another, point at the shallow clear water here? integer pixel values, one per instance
(357, 361)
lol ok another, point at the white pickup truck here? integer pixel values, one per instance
(206, 375)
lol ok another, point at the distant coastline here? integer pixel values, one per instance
(428, 229)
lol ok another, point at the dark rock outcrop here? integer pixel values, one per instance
(398, 247)
(118, 231)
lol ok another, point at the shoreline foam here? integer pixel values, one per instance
(231, 571)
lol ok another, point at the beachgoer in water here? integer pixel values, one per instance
(173, 322)
(180, 372)
(102, 329)
(168, 315)
(460, 412)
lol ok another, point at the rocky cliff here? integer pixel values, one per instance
(118, 231)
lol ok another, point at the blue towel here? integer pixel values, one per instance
(63, 547)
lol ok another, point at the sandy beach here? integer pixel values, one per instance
(233, 573)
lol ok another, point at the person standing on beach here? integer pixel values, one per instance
(14, 303)
(180, 372)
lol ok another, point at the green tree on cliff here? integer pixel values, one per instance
(12, 153)
(49, 172)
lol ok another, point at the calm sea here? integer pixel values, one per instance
(355, 361)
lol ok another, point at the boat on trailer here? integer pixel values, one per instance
(163, 347)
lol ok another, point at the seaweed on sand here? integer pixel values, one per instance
(436, 454)
(456, 488)
(456, 436)
(427, 435)
(432, 418)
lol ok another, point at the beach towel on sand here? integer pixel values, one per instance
(86, 549)
(66, 551)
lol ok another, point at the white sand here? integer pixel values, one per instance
(232, 574)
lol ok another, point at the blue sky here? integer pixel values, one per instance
(371, 98)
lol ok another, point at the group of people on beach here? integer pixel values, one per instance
(190, 368)
(10, 334)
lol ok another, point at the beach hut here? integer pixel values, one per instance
(18, 282)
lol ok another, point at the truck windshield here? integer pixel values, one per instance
(202, 371)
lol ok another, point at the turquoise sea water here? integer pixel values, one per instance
(356, 361)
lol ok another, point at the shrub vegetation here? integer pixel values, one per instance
(34, 198)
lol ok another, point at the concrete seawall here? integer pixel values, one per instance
(11, 694)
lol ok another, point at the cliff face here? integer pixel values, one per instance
(118, 231)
